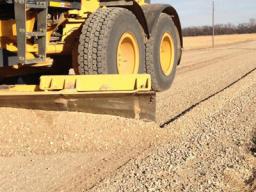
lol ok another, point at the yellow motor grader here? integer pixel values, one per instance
(87, 55)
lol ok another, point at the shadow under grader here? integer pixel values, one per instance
(253, 147)
(30, 75)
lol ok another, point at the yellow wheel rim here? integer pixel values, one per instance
(128, 54)
(167, 54)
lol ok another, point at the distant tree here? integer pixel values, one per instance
(252, 21)
(222, 29)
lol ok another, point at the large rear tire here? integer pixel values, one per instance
(111, 42)
(163, 53)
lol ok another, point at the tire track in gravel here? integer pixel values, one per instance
(167, 123)
(207, 152)
(205, 63)
(205, 99)
(220, 54)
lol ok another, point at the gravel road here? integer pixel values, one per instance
(208, 120)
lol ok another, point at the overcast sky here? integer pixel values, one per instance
(198, 12)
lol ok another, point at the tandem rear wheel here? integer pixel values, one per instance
(163, 53)
(112, 41)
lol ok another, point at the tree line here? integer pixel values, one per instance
(222, 29)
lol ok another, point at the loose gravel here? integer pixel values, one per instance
(211, 155)
(207, 147)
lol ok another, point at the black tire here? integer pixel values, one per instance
(100, 37)
(160, 81)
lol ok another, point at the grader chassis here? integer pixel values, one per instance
(122, 52)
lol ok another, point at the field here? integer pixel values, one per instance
(220, 40)
(206, 144)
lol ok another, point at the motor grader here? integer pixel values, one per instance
(87, 55)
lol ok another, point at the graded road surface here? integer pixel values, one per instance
(207, 119)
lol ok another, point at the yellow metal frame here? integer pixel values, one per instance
(60, 4)
(77, 84)
(71, 27)
(8, 32)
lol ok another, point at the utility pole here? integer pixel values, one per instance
(213, 24)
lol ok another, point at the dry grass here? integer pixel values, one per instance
(206, 41)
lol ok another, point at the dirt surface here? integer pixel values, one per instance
(208, 116)
(220, 40)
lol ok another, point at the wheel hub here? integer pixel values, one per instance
(167, 54)
(128, 54)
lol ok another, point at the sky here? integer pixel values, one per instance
(198, 12)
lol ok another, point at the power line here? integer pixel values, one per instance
(213, 24)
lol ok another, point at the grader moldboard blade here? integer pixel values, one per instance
(121, 95)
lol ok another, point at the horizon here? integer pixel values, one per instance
(199, 12)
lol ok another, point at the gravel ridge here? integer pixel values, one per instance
(214, 155)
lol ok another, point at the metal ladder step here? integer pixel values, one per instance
(36, 5)
(35, 34)
(23, 35)
(36, 60)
